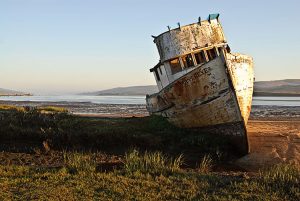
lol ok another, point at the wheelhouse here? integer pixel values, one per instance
(168, 71)
(185, 48)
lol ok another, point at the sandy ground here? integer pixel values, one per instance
(272, 142)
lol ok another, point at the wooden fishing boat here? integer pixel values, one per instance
(202, 85)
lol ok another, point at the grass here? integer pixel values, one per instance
(78, 162)
(205, 164)
(285, 179)
(50, 109)
(10, 107)
(79, 179)
(63, 131)
(157, 167)
(154, 163)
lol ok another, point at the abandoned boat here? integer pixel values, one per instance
(201, 83)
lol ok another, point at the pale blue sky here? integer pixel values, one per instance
(69, 46)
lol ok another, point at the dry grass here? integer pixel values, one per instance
(11, 107)
(205, 164)
(52, 109)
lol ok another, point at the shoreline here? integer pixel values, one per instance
(270, 94)
(258, 112)
(97, 115)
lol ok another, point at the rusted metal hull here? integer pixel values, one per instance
(214, 97)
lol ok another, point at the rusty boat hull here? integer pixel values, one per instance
(202, 85)
(215, 97)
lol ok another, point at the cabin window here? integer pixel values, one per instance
(160, 69)
(157, 75)
(175, 66)
(200, 57)
(188, 61)
(212, 53)
(220, 50)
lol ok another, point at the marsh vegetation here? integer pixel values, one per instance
(49, 154)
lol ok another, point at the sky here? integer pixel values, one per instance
(71, 46)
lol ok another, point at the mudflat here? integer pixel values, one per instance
(272, 142)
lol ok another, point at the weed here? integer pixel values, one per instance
(205, 164)
(152, 163)
(75, 162)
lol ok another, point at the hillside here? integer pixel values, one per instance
(7, 92)
(289, 87)
(125, 91)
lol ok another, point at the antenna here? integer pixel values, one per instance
(199, 20)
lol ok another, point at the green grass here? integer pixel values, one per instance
(158, 167)
(78, 162)
(154, 163)
(285, 179)
(65, 131)
(79, 179)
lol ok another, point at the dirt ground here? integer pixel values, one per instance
(272, 142)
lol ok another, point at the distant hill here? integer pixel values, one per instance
(7, 92)
(125, 91)
(290, 87)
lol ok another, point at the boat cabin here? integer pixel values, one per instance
(185, 48)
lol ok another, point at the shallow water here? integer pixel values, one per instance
(80, 99)
(258, 100)
(276, 101)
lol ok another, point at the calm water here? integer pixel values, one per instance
(259, 100)
(78, 98)
(278, 101)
